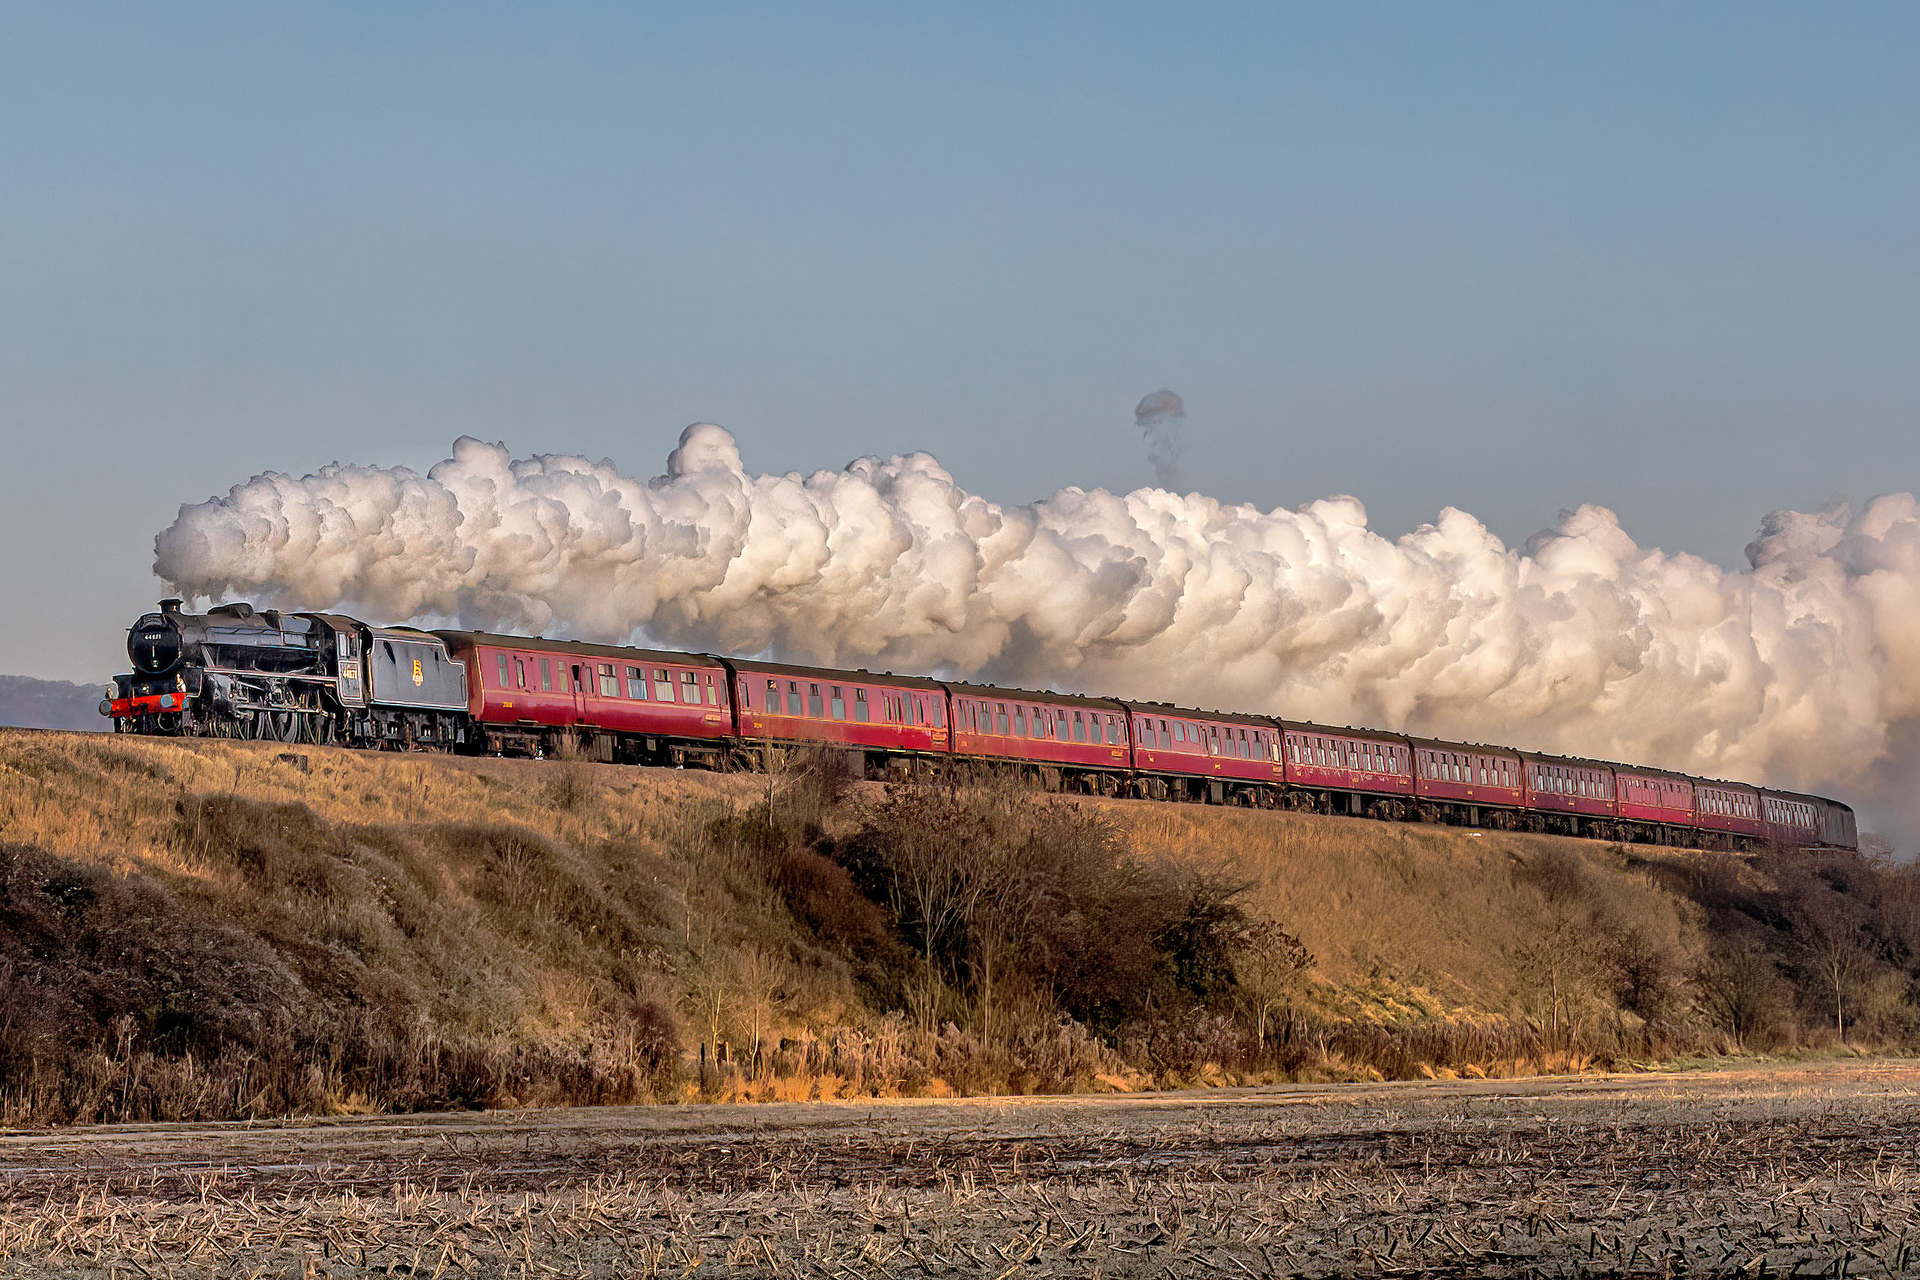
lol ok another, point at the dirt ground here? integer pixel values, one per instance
(1765, 1170)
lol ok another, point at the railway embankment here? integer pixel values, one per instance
(210, 929)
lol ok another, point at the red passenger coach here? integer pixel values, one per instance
(1793, 819)
(1081, 742)
(1567, 795)
(1728, 807)
(625, 705)
(1654, 798)
(893, 718)
(1209, 755)
(1459, 781)
(1376, 769)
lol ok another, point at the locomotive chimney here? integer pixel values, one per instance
(170, 605)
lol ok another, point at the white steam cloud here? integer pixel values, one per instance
(1803, 670)
(1161, 415)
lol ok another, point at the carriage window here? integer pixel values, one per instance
(689, 687)
(609, 685)
(519, 673)
(546, 673)
(662, 685)
(636, 685)
(815, 706)
(939, 707)
(1000, 718)
(503, 668)
(1079, 728)
(1019, 721)
(860, 705)
(839, 703)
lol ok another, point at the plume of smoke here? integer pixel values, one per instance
(1161, 415)
(1803, 670)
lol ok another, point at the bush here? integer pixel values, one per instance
(999, 889)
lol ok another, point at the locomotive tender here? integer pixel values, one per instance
(324, 678)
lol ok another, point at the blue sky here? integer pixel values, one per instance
(1509, 258)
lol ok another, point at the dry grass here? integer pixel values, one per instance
(203, 929)
(1406, 921)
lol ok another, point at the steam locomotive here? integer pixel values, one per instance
(323, 678)
(238, 672)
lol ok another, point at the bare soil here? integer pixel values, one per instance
(1753, 1170)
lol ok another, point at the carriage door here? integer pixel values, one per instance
(580, 675)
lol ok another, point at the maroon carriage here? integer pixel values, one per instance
(891, 718)
(1468, 782)
(1347, 770)
(1793, 819)
(527, 695)
(1653, 800)
(1567, 794)
(1216, 755)
(1072, 740)
(1731, 809)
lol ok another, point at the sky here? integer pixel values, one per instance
(1506, 258)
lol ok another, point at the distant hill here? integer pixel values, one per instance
(51, 704)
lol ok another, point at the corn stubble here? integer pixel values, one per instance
(1761, 1171)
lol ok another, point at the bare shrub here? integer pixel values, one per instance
(1271, 970)
(1741, 990)
(1000, 887)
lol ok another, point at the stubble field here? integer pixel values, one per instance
(1761, 1170)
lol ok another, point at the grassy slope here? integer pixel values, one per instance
(1410, 920)
(528, 922)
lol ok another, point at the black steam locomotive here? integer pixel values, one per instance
(238, 672)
